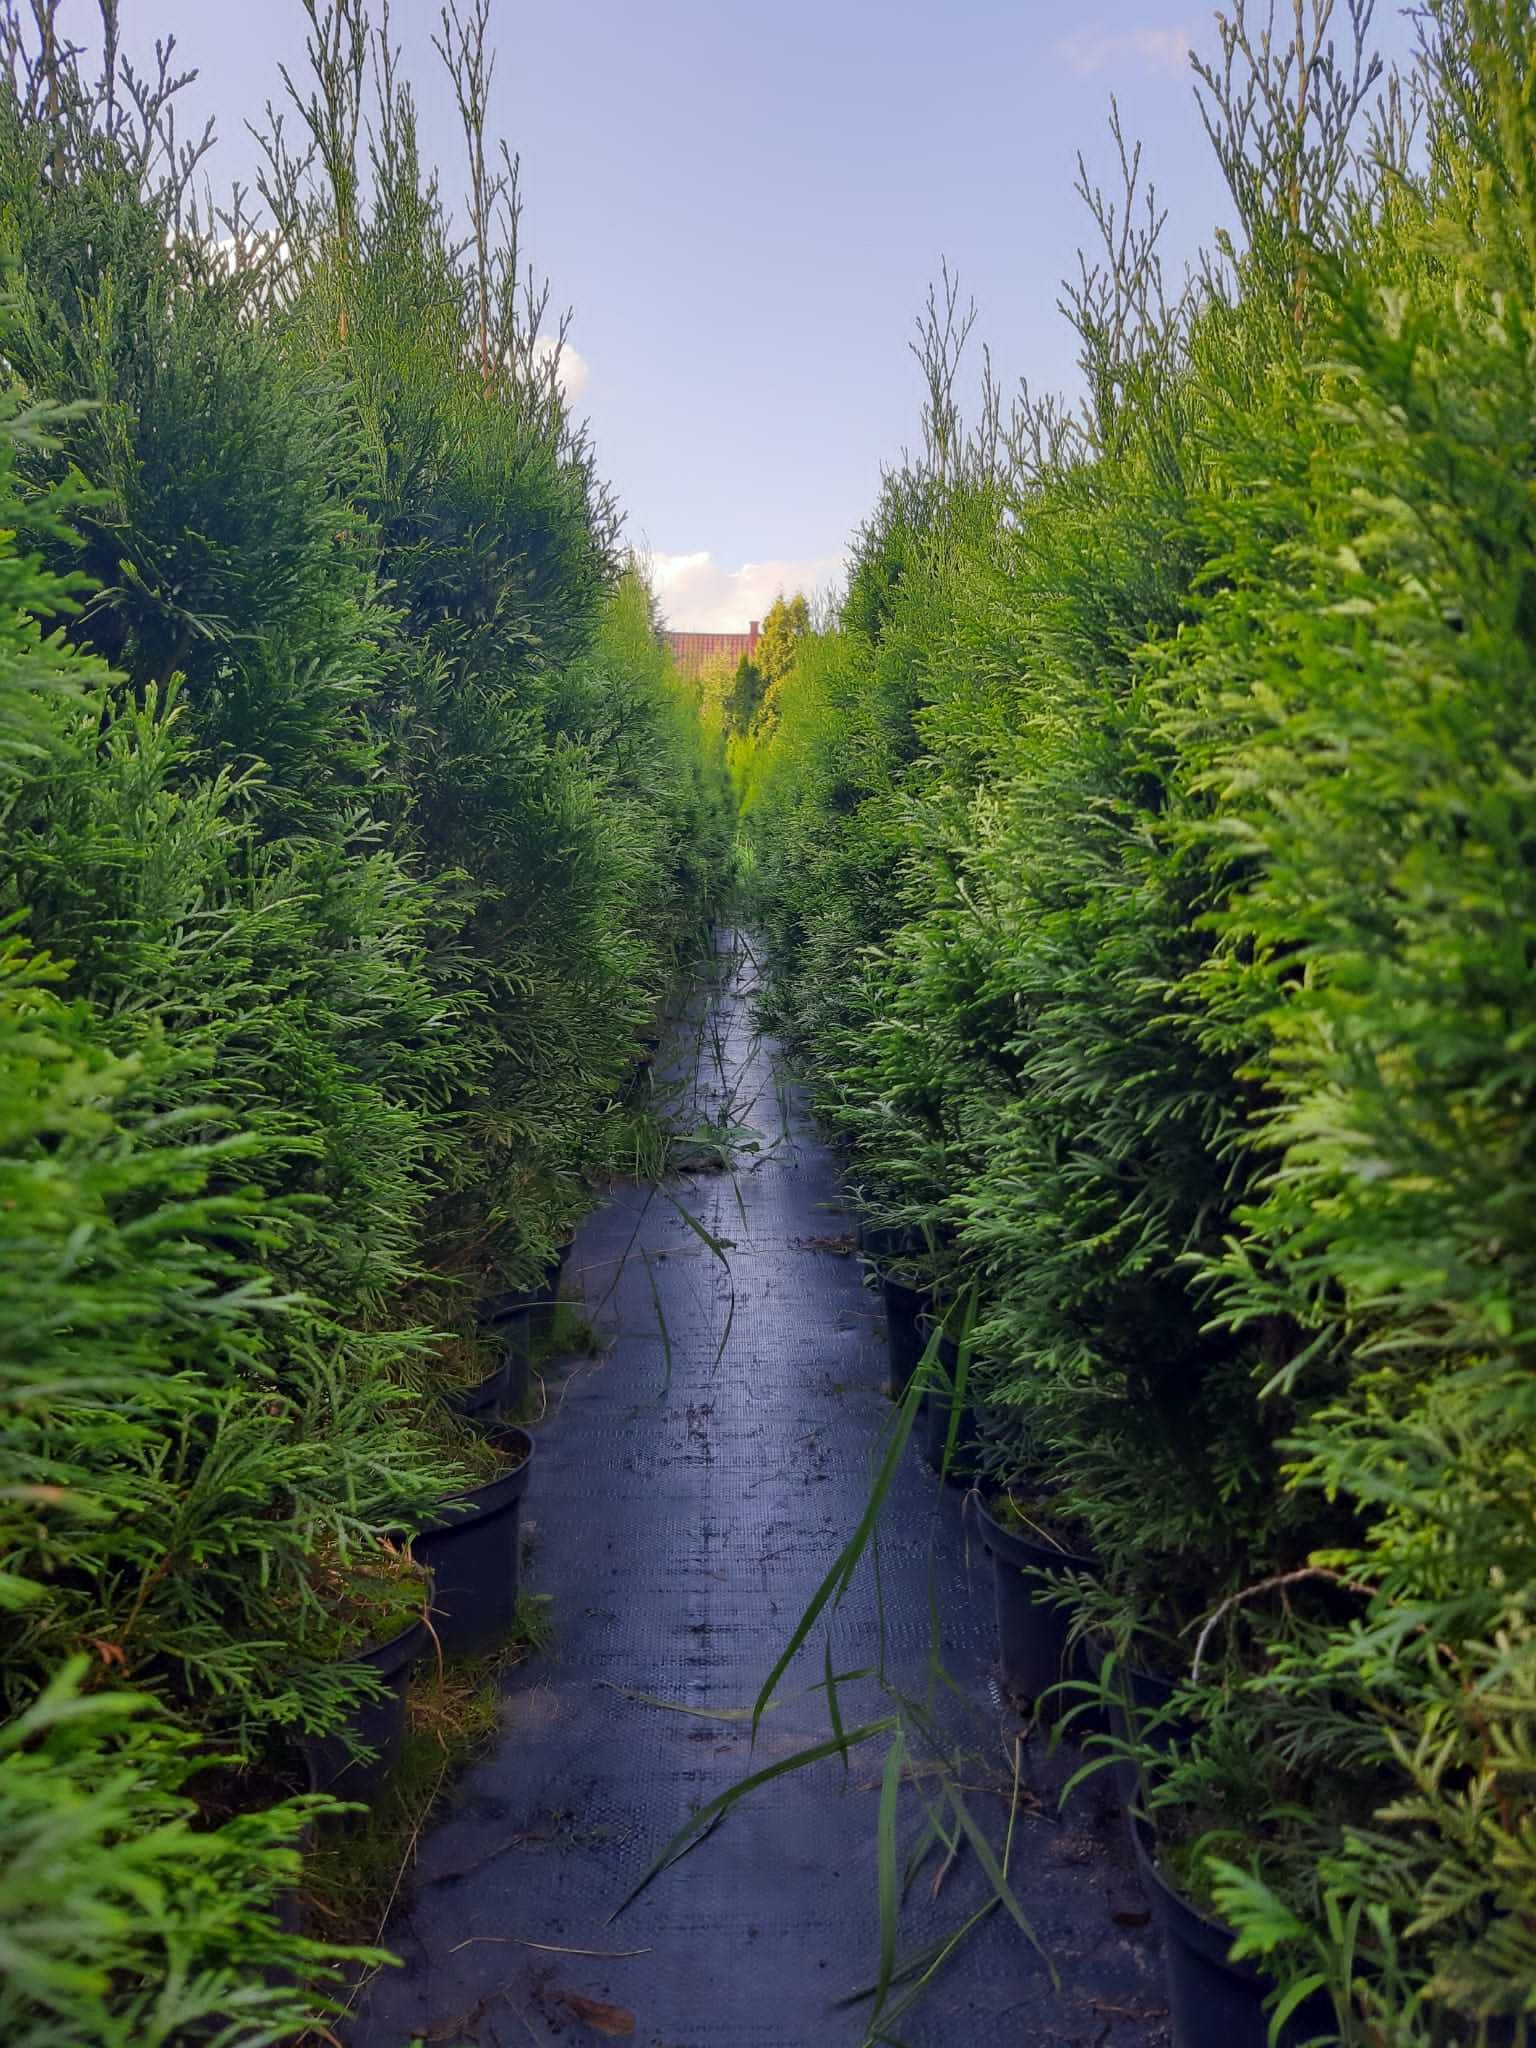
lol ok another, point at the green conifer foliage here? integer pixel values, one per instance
(354, 826)
(1147, 864)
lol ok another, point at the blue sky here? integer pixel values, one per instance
(745, 205)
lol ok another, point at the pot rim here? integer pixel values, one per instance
(504, 1306)
(888, 1241)
(1011, 1546)
(891, 1278)
(388, 1656)
(492, 1497)
(1099, 1646)
(483, 1393)
(1185, 1921)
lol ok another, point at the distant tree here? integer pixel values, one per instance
(744, 696)
(788, 621)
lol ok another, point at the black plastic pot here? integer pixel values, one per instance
(471, 1546)
(1137, 1706)
(1215, 2003)
(1148, 1698)
(483, 1402)
(906, 1337)
(378, 1723)
(1139, 1701)
(881, 1243)
(493, 1311)
(511, 1315)
(1032, 1635)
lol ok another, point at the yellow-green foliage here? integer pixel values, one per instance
(787, 623)
(751, 705)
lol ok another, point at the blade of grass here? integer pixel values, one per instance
(839, 1577)
(661, 1324)
(730, 1324)
(961, 1382)
(698, 1825)
(887, 1887)
(718, 1245)
(918, 1855)
(919, 1967)
(999, 1882)
(919, 1980)
(834, 1711)
(648, 1699)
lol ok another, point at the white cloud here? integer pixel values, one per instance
(574, 370)
(1089, 52)
(698, 595)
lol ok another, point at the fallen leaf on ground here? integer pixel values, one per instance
(615, 2021)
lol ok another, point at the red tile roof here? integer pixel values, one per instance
(695, 652)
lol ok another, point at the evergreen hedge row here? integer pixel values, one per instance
(354, 824)
(1147, 867)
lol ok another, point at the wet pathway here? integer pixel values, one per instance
(690, 1491)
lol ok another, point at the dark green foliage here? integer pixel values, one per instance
(354, 827)
(744, 698)
(1147, 861)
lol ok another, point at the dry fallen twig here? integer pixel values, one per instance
(1311, 1571)
(552, 1948)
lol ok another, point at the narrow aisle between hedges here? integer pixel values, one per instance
(691, 1487)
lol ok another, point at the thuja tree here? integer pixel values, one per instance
(139, 1482)
(1362, 720)
(1148, 866)
(285, 423)
(498, 543)
(354, 823)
